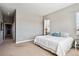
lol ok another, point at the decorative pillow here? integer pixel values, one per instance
(60, 34)
(57, 34)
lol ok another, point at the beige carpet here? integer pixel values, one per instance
(9, 48)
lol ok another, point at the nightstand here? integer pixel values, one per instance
(76, 43)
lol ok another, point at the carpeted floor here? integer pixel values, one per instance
(9, 48)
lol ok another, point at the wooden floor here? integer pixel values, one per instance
(10, 48)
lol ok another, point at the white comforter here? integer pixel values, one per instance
(59, 44)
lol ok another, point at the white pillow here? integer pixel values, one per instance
(64, 34)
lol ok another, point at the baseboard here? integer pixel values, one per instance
(23, 41)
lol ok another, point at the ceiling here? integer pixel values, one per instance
(34, 8)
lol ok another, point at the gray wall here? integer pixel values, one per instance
(64, 20)
(27, 25)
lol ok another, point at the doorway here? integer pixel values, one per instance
(8, 31)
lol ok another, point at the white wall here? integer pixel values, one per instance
(0, 19)
(1, 31)
(27, 25)
(64, 20)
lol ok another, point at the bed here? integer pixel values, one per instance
(58, 45)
